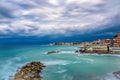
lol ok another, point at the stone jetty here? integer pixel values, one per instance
(30, 71)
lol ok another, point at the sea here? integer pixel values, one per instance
(65, 65)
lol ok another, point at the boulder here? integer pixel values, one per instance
(117, 74)
(30, 71)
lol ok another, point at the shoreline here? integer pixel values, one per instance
(102, 53)
(99, 54)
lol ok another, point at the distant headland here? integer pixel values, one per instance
(103, 46)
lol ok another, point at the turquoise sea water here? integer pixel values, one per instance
(66, 65)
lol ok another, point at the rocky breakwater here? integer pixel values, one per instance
(30, 71)
(53, 52)
(117, 74)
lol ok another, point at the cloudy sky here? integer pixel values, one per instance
(44, 21)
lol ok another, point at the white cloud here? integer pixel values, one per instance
(46, 12)
(52, 17)
(88, 2)
(53, 2)
(3, 29)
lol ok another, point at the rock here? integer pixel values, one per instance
(77, 51)
(117, 74)
(30, 71)
(52, 52)
(11, 78)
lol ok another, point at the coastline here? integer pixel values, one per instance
(99, 53)
(94, 54)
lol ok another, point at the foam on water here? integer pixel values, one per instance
(66, 62)
(110, 76)
(67, 77)
(56, 62)
(9, 66)
(85, 60)
(88, 60)
(67, 52)
(95, 54)
(61, 71)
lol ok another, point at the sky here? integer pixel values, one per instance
(46, 21)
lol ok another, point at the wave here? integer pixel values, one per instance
(95, 54)
(56, 62)
(9, 66)
(15, 59)
(67, 77)
(84, 60)
(110, 76)
(66, 62)
(61, 71)
(67, 52)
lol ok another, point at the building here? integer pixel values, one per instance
(104, 46)
(116, 40)
(98, 49)
(115, 49)
(107, 41)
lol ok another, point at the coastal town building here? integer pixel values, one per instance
(108, 42)
(97, 49)
(104, 46)
(116, 40)
(67, 43)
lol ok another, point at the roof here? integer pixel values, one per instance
(117, 34)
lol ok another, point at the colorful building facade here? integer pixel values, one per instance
(104, 46)
(116, 40)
